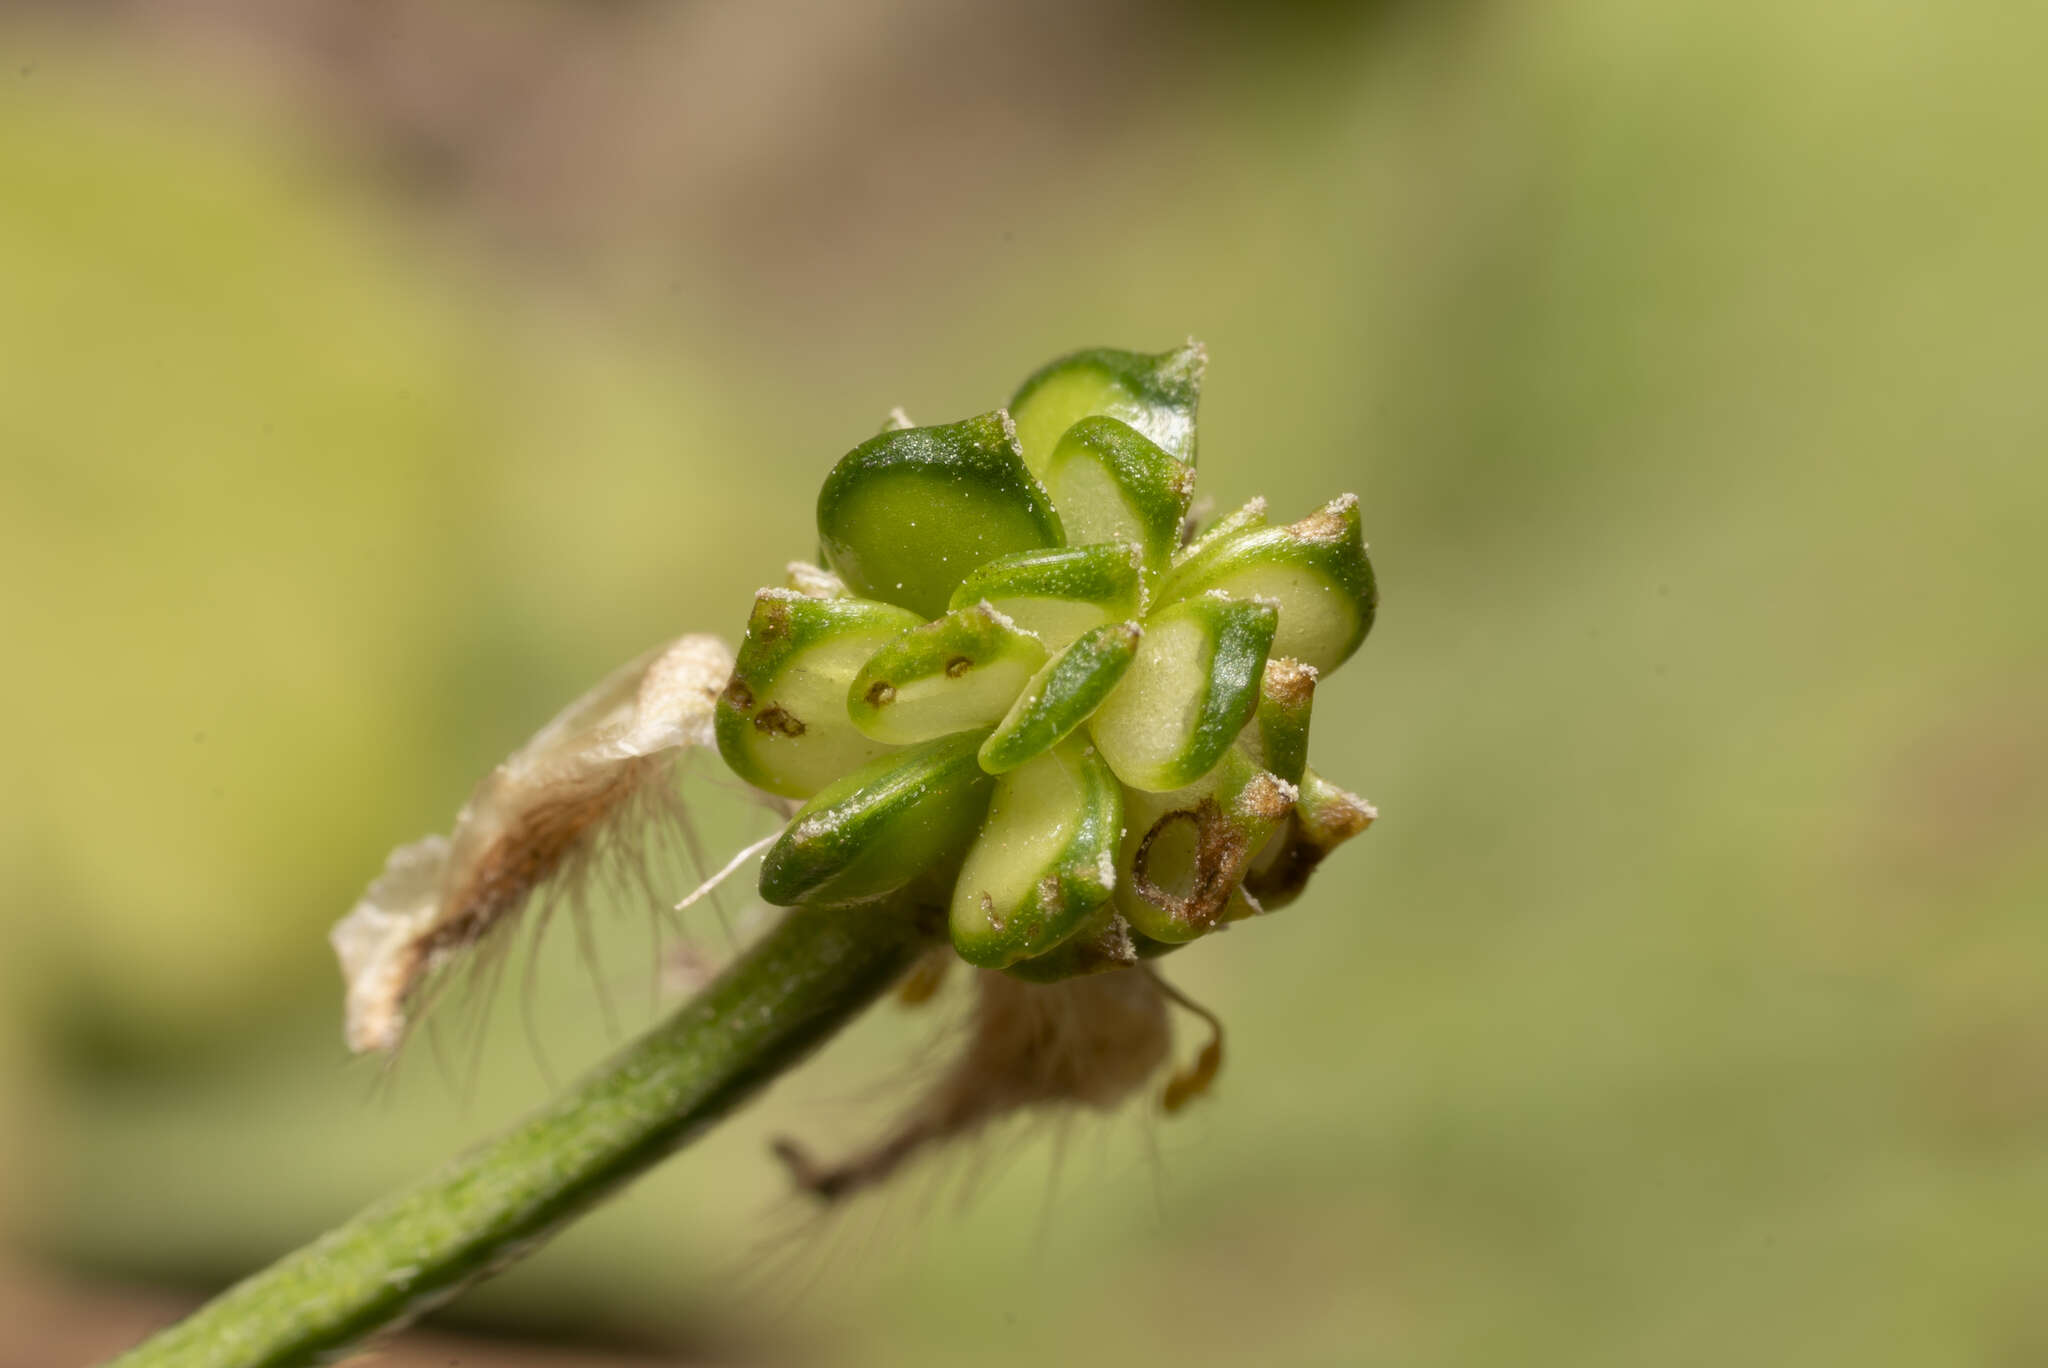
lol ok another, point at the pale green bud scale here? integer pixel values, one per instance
(1060, 697)
(1112, 484)
(1057, 594)
(1045, 858)
(1193, 686)
(782, 722)
(963, 670)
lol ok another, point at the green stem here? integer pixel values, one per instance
(491, 1207)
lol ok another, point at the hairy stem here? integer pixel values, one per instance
(808, 977)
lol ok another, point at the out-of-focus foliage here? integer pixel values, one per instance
(1690, 998)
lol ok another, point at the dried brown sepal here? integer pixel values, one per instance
(1324, 817)
(556, 808)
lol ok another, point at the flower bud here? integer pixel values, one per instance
(1190, 691)
(1057, 594)
(1063, 695)
(962, 671)
(782, 722)
(1087, 740)
(891, 820)
(1156, 395)
(907, 514)
(1045, 859)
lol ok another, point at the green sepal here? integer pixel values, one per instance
(1324, 817)
(1061, 696)
(1156, 394)
(781, 722)
(1277, 738)
(1057, 594)
(1316, 570)
(876, 829)
(906, 514)
(1113, 484)
(1185, 853)
(1192, 688)
(1044, 861)
(961, 671)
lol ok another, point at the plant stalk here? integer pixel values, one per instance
(491, 1207)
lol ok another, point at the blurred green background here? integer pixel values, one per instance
(374, 377)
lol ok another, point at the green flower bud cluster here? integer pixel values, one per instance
(1017, 688)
